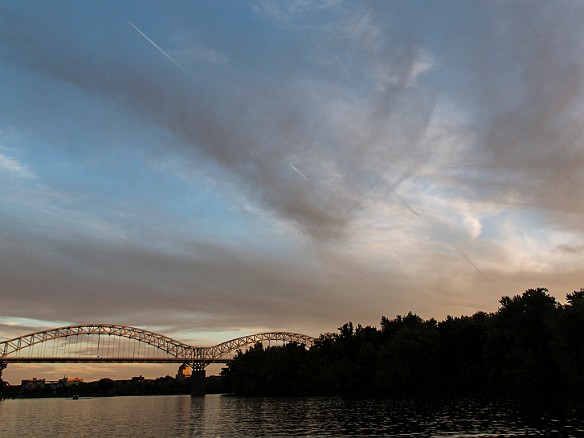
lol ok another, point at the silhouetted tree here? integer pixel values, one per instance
(571, 339)
(520, 341)
(531, 342)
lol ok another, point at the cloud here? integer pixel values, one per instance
(570, 249)
(523, 77)
(293, 13)
(470, 114)
(205, 287)
(13, 167)
(189, 51)
(251, 134)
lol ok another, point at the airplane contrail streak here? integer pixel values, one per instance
(399, 259)
(405, 203)
(161, 50)
(468, 260)
(298, 172)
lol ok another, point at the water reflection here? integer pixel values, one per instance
(215, 415)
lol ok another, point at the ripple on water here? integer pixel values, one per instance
(216, 415)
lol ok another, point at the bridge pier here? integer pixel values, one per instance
(27, 349)
(197, 384)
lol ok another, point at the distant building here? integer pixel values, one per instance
(68, 381)
(184, 372)
(32, 384)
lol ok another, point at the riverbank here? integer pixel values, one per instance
(39, 388)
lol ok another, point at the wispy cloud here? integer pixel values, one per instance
(10, 165)
(476, 129)
(295, 13)
(570, 249)
(194, 52)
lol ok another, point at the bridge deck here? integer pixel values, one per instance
(112, 343)
(108, 360)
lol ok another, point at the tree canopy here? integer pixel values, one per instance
(532, 342)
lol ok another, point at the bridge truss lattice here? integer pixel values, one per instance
(125, 344)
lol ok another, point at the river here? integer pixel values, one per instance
(217, 415)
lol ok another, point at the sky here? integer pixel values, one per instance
(208, 170)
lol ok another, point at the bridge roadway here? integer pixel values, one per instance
(113, 343)
(63, 359)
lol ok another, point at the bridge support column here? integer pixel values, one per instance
(197, 383)
(2, 366)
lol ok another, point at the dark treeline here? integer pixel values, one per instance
(107, 387)
(531, 343)
(103, 387)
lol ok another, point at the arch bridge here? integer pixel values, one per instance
(99, 343)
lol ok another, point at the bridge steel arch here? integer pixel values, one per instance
(198, 357)
(163, 343)
(220, 350)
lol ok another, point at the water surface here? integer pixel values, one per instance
(216, 415)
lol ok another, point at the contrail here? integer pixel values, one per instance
(170, 58)
(298, 172)
(468, 259)
(403, 263)
(406, 204)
